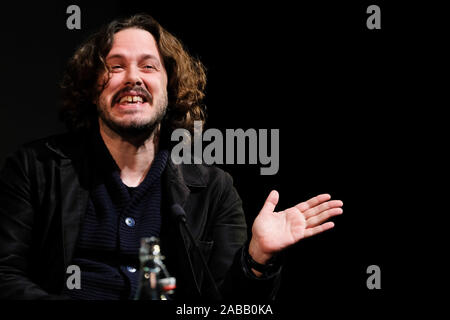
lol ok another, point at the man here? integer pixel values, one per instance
(87, 197)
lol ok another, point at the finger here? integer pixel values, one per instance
(324, 206)
(313, 231)
(271, 202)
(303, 206)
(318, 219)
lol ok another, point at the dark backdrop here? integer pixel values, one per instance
(334, 89)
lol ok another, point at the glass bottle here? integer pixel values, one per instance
(155, 282)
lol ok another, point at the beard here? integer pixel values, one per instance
(138, 129)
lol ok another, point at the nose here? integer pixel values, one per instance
(132, 77)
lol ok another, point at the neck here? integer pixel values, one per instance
(133, 156)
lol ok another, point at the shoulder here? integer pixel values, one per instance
(62, 144)
(199, 176)
(50, 148)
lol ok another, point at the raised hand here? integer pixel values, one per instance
(274, 231)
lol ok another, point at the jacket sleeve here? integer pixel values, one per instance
(230, 237)
(16, 227)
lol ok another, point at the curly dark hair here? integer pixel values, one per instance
(186, 76)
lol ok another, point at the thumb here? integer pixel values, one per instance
(271, 201)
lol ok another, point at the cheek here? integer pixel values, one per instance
(114, 82)
(111, 88)
(157, 83)
(164, 82)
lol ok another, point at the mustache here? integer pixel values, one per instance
(137, 89)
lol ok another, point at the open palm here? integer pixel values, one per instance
(274, 231)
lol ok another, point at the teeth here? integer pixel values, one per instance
(131, 99)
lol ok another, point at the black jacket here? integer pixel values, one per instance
(43, 198)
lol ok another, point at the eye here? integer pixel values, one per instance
(149, 67)
(116, 67)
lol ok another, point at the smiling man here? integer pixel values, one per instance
(87, 197)
(134, 99)
(133, 102)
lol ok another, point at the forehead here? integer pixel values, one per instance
(133, 41)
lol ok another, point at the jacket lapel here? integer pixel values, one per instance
(174, 185)
(73, 175)
(73, 207)
(177, 184)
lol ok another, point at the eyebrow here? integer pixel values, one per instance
(142, 57)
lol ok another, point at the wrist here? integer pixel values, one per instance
(266, 263)
(257, 254)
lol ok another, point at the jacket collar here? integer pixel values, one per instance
(70, 146)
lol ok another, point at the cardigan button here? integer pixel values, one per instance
(130, 222)
(131, 269)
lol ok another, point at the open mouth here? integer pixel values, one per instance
(132, 99)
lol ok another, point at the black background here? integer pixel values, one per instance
(341, 95)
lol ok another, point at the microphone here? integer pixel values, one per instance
(179, 214)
